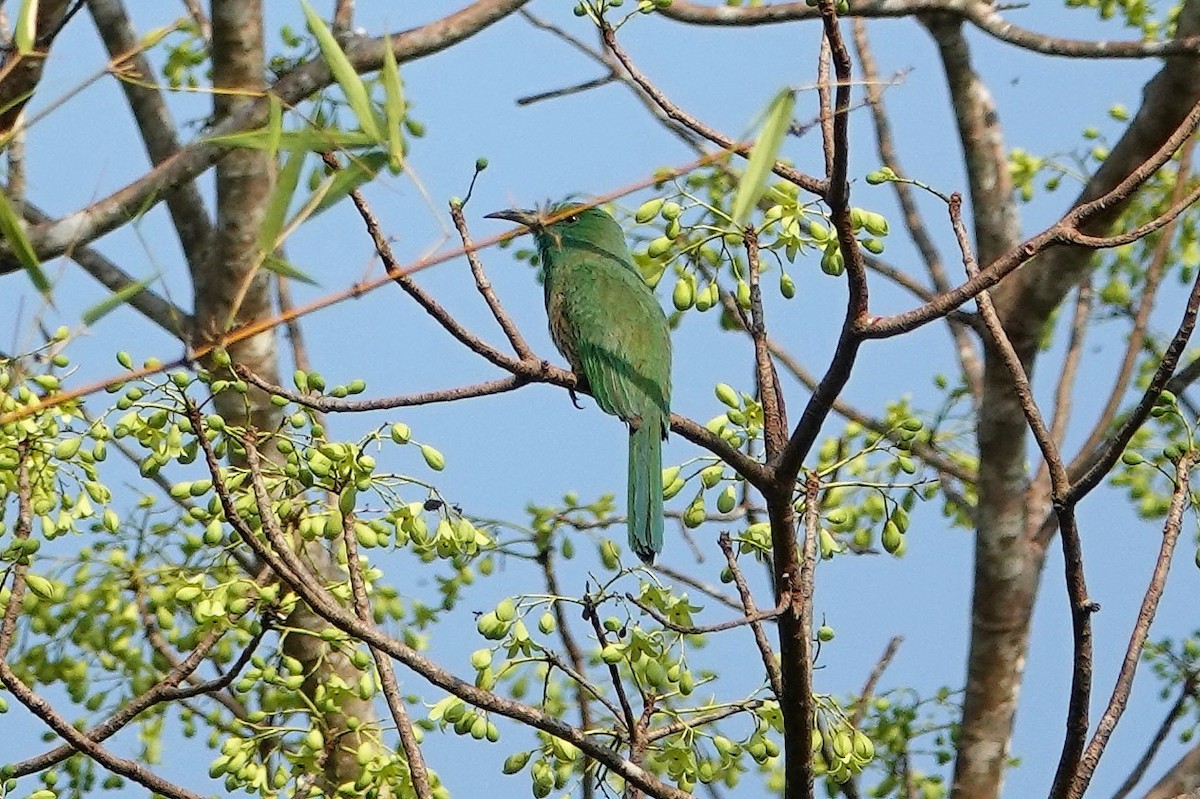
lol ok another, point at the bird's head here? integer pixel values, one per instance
(564, 224)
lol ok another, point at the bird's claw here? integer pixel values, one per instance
(574, 398)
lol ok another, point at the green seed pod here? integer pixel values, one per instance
(435, 459)
(515, 762)
(825, 633)
(828, 544)
(727, 500)
(787, 287)
(673, 488)
(365, 535)
(669, 475)
(125, 359)
(892, 538)
(609, 555)
(727, 395)
(648, 210)
(876, 224)
(506, 610)
(873, 246)
(655, 674)
(547, 623)
(712, 475)
(671, 211)
(1131, 458)
(694, 515)
(832, 262)
(659, 247)
(401, 433)
(67, 448)
(864, 749)
(684, 294)
(843, 744)
(612, 654)
(743, 295)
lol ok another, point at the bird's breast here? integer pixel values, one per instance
(562, 332)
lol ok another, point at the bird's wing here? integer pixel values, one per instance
(621, 340)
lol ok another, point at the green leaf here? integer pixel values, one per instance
(281, 198)
(393, 108)
(281, 267)
(343, 72)
(308, 139)
(13, 231)
(360, 170)
(25, 35)
(274, 122)
(762, 157)
(117, 298)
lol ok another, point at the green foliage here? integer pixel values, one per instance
(1138, 14)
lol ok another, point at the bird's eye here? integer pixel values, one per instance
(570, 220)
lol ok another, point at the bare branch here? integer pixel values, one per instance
(984, 15)
(417, 771)
(1180, 499)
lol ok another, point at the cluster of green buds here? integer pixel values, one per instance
(553, 767)
(743, 418)
(453, 713)
(596, 8)
(839, 750)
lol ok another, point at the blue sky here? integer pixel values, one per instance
(532, 445)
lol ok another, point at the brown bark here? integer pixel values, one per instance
(1008, 556)
(189, 216)
(1181, 778)
(19, 74)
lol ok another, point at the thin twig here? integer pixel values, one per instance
(868, 689)
(272, 547)
(417, 771)
(1141, 319)
(774, 675)
(1141, 630)
(520, 347)
(677, 114)
(1187, 693)
(693, 629)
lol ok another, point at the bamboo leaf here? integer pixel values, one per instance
(343, 72)
(360, 170)
(25, 35)
(307, 139)
(281, 200)
(281, 267)
(762, 157)
(274, 123)
(393, 108)
(112, 301)
(12, 228)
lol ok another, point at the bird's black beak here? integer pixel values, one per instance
(530, 219)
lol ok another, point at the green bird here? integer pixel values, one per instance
(606, 322)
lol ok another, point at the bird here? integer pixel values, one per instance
(607, 323)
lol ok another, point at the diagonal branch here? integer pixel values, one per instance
(983, 15)
(271, 546)
(189, 216)
(365, 54)
(1180, 498)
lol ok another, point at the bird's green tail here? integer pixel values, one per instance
(645, 503)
